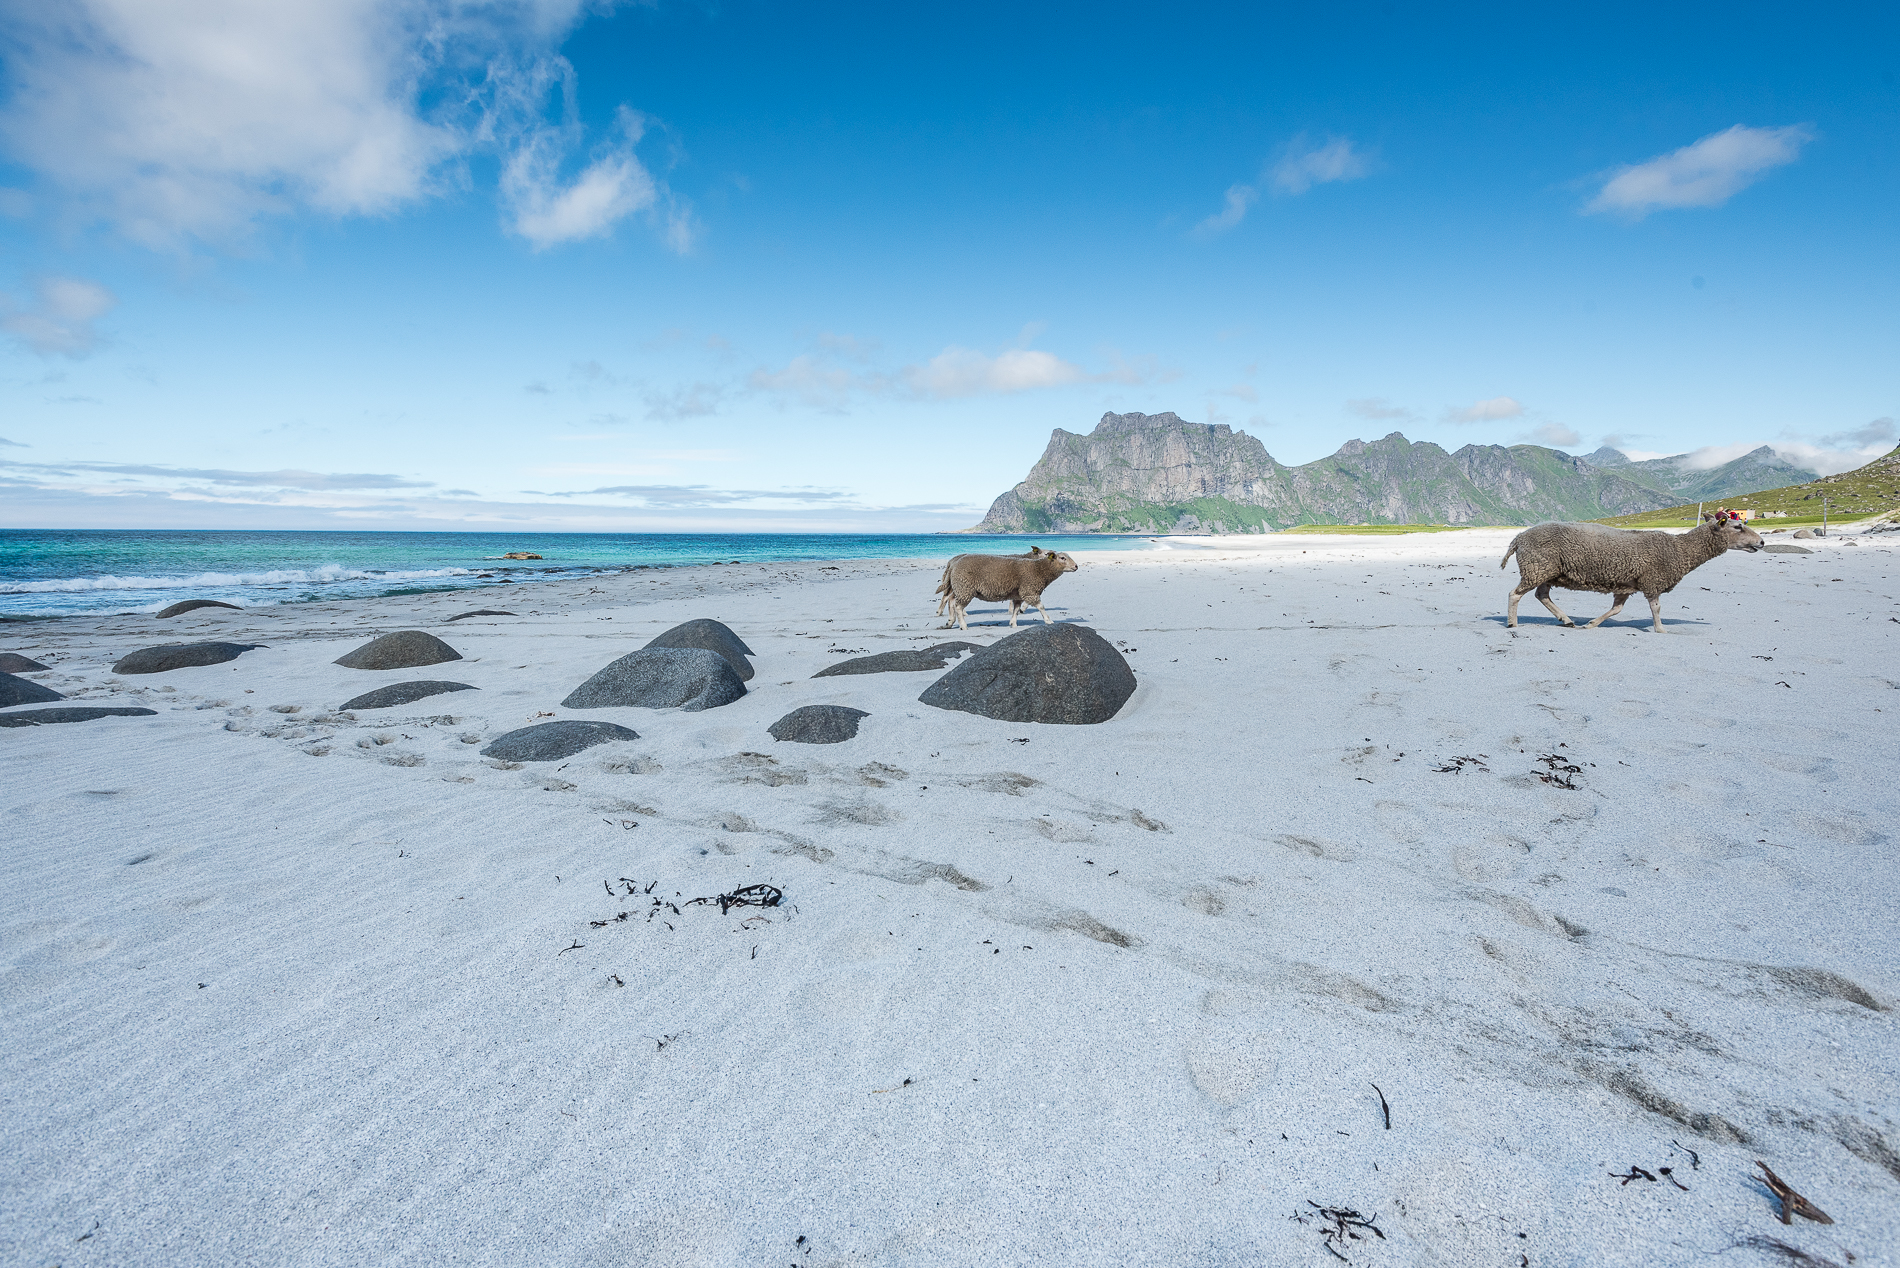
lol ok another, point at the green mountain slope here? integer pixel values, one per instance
(1156, 473)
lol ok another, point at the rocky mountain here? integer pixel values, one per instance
(1753, 472)
(1155, 473)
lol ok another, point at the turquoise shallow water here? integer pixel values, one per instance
(55, 572)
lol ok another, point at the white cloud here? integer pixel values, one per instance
(807, 379)
(1705, 174)
(1556, 435)
(1305, 166)
(1377, 409)
(1842, 451)
(1301, 166)
(1239, 199)
(12, 444)
(958, 372)
(193, 121)
(61, 320)
(1485, 411)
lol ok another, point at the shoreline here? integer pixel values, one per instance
(1049, 994)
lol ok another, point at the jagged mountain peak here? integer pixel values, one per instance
(1140, 472)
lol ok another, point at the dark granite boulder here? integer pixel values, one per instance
(22, 691)
(714, 637)
(72, 713)
(157, 660)
(818, 724)
(689, 678)
(403, 693)
(477, 612)
(405, 649)
(1049, 673)
(14, 663)
(551, 741)
(192, 605)
(910, 660)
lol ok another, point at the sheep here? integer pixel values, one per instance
(943, 585)
(1000, 578)
(1617, 561)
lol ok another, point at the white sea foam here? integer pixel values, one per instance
(289, 576)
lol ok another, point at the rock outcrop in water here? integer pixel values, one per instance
(1156, 473)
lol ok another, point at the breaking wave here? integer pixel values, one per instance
(225, 580)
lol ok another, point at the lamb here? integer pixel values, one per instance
(1617, 561)
(1000, 578)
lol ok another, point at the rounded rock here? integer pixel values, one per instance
(1065, 674)
(14, 663)
(22, 691)
(73, 713)
(819, 724)
(158, 660)
(689, 678)
(403, 693)
(713, 637)
(405, 649)
(552, 741)
(192, 605)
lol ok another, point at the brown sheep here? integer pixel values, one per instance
(1002, 579)
(943, 584)
(1616, 561)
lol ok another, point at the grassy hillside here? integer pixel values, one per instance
(1853, 495)
(1379, 530)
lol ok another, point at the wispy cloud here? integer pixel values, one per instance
(956, 373)
(1839, 451)
(1705, 174)
(59, 321)
(1556, 435)
(1377, 409)
(682, 495)
(190, 123)
(1305, 165)
(315, 481)
(1302, 165)
(12, 444)
(694, 400)
(1498, 407)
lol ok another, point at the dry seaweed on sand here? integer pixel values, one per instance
(746, 896)
(1339, 1225)
(1792, 1203)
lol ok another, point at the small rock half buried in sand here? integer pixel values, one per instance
(403, 693)
(910, 660)
(551, 741)
(405, 649)
(14, 663)
(819, 724)
(156, 660)
(21, 691)
(75, 713)
(1050, 673)
(714, 637)
(192, 605)
(689, 678)
(477, 612)
(1782, 548)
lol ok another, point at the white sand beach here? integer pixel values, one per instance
(284, 987)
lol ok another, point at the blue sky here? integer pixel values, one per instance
(782, 267)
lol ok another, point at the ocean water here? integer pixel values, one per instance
(59, 572)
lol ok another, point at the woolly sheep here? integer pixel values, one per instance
(943, 585)
(999, 578)
(1617, 562)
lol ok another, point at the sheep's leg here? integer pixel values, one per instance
(1655, 611)
(1046, 620)
(1015, 606)
(1510, 619)
(1621, 599)
(1543, 597)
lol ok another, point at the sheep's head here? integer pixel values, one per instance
(1735, 534)
(1061, 558)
